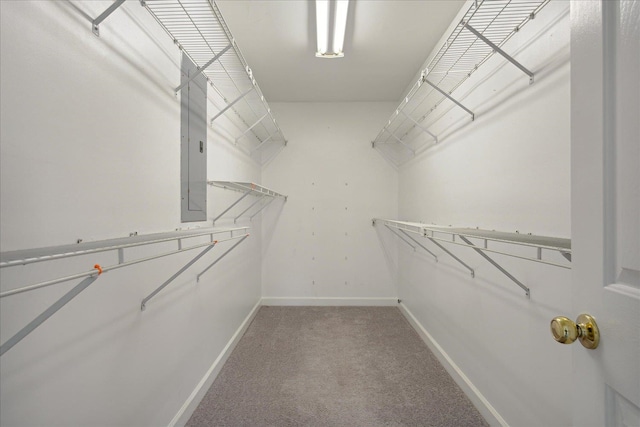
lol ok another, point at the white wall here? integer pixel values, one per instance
(508, 170)
(322, 244)
(90, 149)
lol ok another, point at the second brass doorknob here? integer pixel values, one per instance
(585, 329)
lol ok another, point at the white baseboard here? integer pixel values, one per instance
(192, 402)
(479, 401)
(330, 301)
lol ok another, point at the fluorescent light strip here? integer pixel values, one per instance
(340, 26)
(322, 26)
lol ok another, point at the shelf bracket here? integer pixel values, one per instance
(22, 333)
(452, 99)
(234, 203)
(201, 69)
(263, 206)
(400, 141)
(473, 274)
(95, 24)
(249, 208)
(251, 127)
(220, 257)
(256, 148)
(419, 244)
(496, 265)
(143, 305)
(435, 138)
(400, 237)
(224, 110)
(500, 51)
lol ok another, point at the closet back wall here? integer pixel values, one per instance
(323, 249)
(90, 148)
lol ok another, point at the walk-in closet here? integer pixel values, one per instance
(319, 213)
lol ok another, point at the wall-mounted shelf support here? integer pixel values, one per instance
(424, 129)
(232, 205)
(143, 305)
(473, 273)
(251, 127)
(22, 333)
(261, 144)
(201, 69)
(400, 237)
(450, 98)
(95, 24)
(451, 234)
(261, 208)
(400, 141)
(496, 265)
(221, 256)
(234, 102)
(249, 208)
(500, 51)
(247, 188)
(420, 244)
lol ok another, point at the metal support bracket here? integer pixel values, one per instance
(95, 24)
(201, 69)
(400, 141)
(224, 110)
(473, 273)
(496, 265)
(256, 148)
(419, 244)
(220, 257)
(143, 305)
(400, 237)
(251, 127)
(424, 129)
(249, 208)
(22, 333)
(450, 98)
(500, 51)
(263, 206)
(230, 207)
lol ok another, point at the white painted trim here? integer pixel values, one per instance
(479, 401)
(330, 301)
(196, 396)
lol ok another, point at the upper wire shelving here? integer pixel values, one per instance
(485, 27)
(199, 30)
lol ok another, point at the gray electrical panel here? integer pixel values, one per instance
(193, 144)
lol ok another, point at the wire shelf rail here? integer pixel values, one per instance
(501, 242)
(485, 27)
(248, 189)
(199, 30)
(25, 257)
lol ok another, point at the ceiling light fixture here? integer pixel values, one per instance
(331, 12)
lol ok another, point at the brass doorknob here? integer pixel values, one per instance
(585, 329)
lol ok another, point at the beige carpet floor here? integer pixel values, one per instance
(333, 366)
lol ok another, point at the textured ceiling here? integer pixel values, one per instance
(386, 43)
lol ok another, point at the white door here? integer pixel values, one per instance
(605, 177)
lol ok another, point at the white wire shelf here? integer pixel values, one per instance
(479, 240)
(248, 189)
(199, 30)
(485, 27)
(24, 257)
